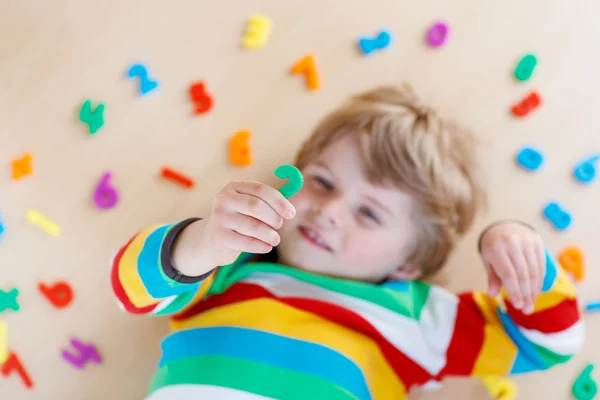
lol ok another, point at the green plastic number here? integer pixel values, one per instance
(525, 67)
(295, 182)
(584, 387)
(94, 119)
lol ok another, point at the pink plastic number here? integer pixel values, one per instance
(437, 34)
(85, 353)
(105, 196)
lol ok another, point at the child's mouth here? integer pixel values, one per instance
(313, 237)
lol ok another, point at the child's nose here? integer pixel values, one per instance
(330, 211)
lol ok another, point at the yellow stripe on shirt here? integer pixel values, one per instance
(563, 289)
(497, 353)
(272, 316)
(128, 271)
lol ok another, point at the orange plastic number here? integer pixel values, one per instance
(240, 148)
(22, 167)
(308, 67)
(572, 260)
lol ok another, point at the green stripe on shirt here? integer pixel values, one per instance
(408, 304)
(249, 376)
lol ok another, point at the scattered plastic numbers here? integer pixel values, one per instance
(500, 388)
(529, 158)
(572, 260)
(560, 218)
(380, 42)
(140, 71)
(307, 66)
(203, 101)
(13, 364)
(3, 341)
(2, 229)
(525, 67)
(85, 353)
(38, 219)
(94, 119)
(257, 32)
(240, 148)
(22, 167)
(585, 387)
(105, 195)
(528, 104)
(177, 177)
(592, 306)
(296, 180)
(60, 294)
(8, 300)
(437, 34)
(585, 171)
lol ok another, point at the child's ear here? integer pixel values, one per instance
(406, 272)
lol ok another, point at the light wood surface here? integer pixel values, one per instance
(54, 54)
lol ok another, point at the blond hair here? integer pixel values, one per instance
(406, 144)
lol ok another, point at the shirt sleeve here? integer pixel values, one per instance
(491, 337)
(144, 279)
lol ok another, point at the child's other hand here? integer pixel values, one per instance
(514, 255)
(244, 218)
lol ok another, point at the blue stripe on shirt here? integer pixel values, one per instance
(149, 268)
(268, 348)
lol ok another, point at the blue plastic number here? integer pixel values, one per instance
(1, 228)
(559, 217)
(592, 306)
(585, 171)
(529, 158)
(140, 71)
(368, 45)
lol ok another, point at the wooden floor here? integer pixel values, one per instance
(55, 54)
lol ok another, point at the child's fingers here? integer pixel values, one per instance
(269, 195)
(233, 240)
(534, 269)
(504, 268)
(494, 283)
(523, 275)
(253, 228)
(541, 256)
(256, 208)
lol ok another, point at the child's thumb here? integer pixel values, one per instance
(494, 282)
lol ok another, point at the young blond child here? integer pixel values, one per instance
(330, 305)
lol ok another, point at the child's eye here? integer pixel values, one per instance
(369, 214)
(324, 183)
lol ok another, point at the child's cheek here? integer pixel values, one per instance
(301, 200)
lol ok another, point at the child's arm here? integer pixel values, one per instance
(144, 278)
(165, 268)
(506, 336)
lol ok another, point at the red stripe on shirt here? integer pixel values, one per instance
(467, 340)
(554, 319)
(118, 286)
(405, 368)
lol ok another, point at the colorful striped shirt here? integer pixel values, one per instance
(256, 330)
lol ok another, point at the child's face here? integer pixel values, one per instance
(346, 226)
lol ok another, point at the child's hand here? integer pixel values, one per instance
(244, 218)
(514, 255)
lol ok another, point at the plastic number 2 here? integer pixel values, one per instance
(295, 182)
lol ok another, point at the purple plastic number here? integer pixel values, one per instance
(105, 196)
(85, 353)
(437, 34)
